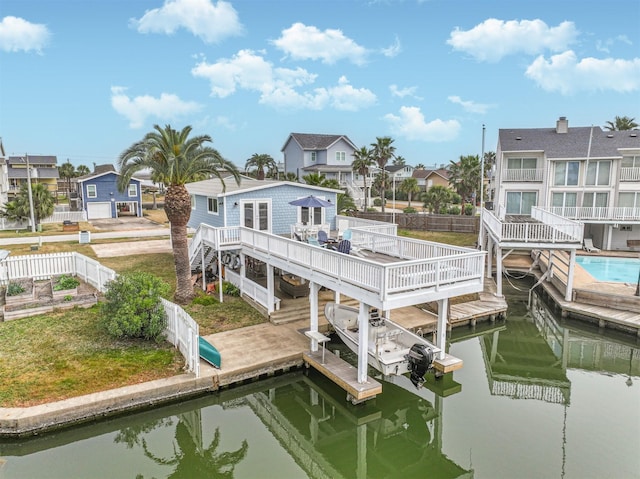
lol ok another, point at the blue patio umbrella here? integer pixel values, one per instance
(311, 202)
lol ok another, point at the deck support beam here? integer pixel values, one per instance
(363, 338)
(489, 256)
(498, 271)
(441, 332)
(572, 264)
(313, 312)
(270, 289)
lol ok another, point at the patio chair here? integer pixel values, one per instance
(346, 234)
(314, 242)
(588, 246)
(322, 237)
(344, 247)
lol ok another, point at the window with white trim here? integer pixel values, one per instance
(629, 199)
(566, 173)
(314, 154)
(193, 202)
(521, 163)
(133, 189)
(564, 200)
(595, 200)
(598, 173)
(92, 191)
(341, 156)
(212, 205)
(631, 161)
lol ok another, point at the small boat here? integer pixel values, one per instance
(391, 348)
(209, 353)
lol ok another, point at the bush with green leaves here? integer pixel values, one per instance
(230, 289)
(468, 210)
(409, 210)
(65, 282)
(14, 289)
(132, 306)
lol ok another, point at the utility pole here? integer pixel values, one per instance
(480, 229)
(33, 221)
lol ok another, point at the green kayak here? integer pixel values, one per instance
(209, 353)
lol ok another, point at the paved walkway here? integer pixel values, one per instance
(142, 233)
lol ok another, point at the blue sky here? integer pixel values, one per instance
(84, 79)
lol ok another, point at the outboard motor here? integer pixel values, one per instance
(420, 360)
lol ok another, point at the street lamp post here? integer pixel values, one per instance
(33, 221)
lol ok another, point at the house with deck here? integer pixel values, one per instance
(100, 198)
(250, 230)
(554, 187)
(42, 169)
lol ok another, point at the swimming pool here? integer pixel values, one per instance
(621, 270)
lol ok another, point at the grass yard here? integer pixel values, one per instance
(65, 354)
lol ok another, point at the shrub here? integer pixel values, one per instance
(454, 210)
(230, 289)
(65, 282)
(132, 306)
(468, 210)
(68, 297)
(377, 202)
(204, 300)
(409, 209)
(14, 289)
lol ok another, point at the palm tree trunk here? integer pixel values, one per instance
(178, 209)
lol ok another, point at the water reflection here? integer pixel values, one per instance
(542, 394)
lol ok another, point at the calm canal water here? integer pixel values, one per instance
(536, 398)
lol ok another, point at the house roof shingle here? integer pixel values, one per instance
(313, 141)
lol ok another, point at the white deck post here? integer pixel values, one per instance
(363, 338)
(498, 271)
(489, 256)
(270, 289)
(313, 312)
(572, 264)
(202, 267)
(441, 333)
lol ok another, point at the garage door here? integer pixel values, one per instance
(98, 210)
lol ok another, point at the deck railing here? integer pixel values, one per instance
(598, 213)
(369, 225)
(524, 174)
(630, 174)
(434, 266)
(551, 228)
(181, 329)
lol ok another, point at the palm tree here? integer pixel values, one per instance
(82, 170)
(420, 166)
(66, 172)
(400, 161)
(382, 151)
(314, 179)
(290, 176)
(345, 204)
(19, 209)
(621, 123)
(464, 176)
(174, 160)
(410, 186)
(259, 163)
(361, 164)
(436, 197)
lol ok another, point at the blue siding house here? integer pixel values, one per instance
(262, 205)
(100, 197)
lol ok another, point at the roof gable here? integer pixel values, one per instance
(313, 141)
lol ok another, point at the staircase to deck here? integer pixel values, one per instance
(298, 309)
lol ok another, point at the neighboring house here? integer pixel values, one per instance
(428, 178)
(100, 198)
(580, 173)
(262, 205)
(42, 169)
(329, 155)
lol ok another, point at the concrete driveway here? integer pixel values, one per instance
(124, 223)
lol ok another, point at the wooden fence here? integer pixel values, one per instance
(181, 329)
(424, 222)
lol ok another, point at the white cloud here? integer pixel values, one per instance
(402, 92)
(393, 49)
(603, 46)
(566, 74)
(469, 105)
(279, 87)
(17, 34)
(411, 124)
(136, 110)
(494, 39)
(302, 42)
(203, 18)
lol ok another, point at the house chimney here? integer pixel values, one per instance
(562, 125)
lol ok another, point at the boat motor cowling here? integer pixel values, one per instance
(420, 360)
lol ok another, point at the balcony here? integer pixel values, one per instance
(524, 174)
(630, 174)
(598, 213)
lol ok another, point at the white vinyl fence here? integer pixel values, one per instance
(181, 330)
(61, 216)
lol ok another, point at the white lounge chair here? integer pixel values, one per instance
(588, 246)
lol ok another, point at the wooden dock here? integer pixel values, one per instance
(344, 375)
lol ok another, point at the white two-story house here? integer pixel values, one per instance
(580, 173)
